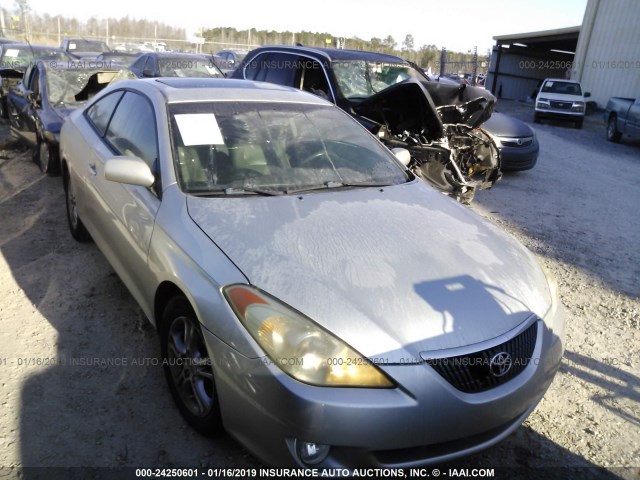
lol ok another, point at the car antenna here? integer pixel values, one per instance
(33, 52)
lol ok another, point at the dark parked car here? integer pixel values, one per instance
(84, 48)
(115, 59)
(436, 122)
(172, 64)
(516, 141)
(14, 60)
(43, 99)
(622, 116)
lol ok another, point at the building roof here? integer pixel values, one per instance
(563, 39)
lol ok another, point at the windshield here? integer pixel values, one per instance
(568, 88)
(16, 56)
(74, 87)
(82, 45)
(188, 67)
(360, 79)
(232, 147)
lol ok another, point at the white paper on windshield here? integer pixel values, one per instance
(548, 84)
(12, 52)
(72, 46)
(199, 129)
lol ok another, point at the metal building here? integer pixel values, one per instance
(520, 61)
(607, 60)
(603, 54)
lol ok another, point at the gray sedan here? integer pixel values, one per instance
(313, 298)
(516, 141)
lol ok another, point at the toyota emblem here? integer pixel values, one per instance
(500, 364)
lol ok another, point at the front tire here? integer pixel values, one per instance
(578, 123)
(46, 157)
(188, 368)
(613, 135)
(76, 227)
(536, 118)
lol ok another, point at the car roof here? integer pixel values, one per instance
(177, 54)
(336, 54)
(182, 90)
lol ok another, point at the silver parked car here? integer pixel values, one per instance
(313, 297)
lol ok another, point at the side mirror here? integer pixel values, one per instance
(403, 155)
(147, 73)
(587, 94)
(129, 170)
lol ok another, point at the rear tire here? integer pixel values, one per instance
(613, 135)
(188, 368)
(76, 227)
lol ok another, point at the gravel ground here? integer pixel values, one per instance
(61, 302)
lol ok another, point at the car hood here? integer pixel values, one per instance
(502, 125)
(422, 106)
(393, 272)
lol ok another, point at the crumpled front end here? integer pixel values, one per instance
(438, 124)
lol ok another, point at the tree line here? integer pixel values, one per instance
(23, 23)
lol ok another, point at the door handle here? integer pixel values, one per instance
(94, 170)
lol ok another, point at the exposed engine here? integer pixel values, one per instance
(438, 125)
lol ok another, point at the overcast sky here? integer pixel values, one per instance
(455, 24)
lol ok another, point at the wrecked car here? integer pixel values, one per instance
(43, 99)
(437, 123)
(174, 64)
(14, 60)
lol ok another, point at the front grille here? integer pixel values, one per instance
(523, 142)
(562, 105)
(480, 371)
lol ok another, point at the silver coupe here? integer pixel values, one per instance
(313, 297)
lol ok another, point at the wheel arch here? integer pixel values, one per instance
(164, 293)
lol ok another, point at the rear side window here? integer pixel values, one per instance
(254, 69)
(132, 130)
(282, 69)
(100, 112)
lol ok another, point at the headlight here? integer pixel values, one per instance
(544, 100)
(300, 347)
(577, 107)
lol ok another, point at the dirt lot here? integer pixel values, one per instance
(61, 302)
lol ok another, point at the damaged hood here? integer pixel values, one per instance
(390, 275)
(424, 107)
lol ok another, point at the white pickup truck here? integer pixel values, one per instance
(561, 99)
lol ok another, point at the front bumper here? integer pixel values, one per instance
(559, 114)
(424, 420)
(519, 158)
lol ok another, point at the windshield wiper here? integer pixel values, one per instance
(236, 191)
(329, 185)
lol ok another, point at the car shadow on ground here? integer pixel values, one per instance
(91, 391)
(88, 409)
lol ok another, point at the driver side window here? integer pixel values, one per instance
(132, 130)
